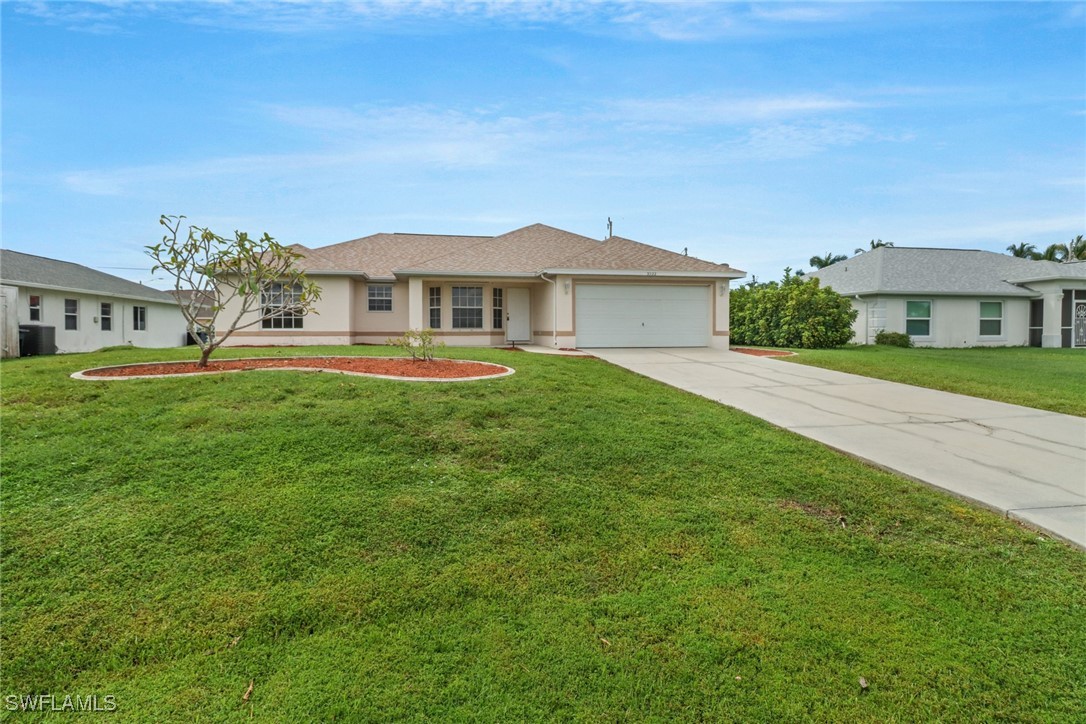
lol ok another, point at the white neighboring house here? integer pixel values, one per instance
(962, 298)
(88, 309)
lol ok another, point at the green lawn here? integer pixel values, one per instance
(1048, 379)
(570, 542)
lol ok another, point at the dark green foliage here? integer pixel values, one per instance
(894, 339)
(792, 313)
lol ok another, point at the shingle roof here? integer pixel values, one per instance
(379, 254)
(21, 269)
(904, 270)
(618, 253)
(529, 250)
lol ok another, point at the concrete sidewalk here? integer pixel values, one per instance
(1028, 464)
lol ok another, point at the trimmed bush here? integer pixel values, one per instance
(419, 343)
(894, 339)
(793, 313)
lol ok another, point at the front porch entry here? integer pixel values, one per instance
(519, 315)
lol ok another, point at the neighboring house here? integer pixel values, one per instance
(536, 285)
(962, 298)
(185, 297)
(86, 309)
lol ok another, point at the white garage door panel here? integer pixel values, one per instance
(642, 315)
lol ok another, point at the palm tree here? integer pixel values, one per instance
(875, 244)
(1023, 250)
(1054, 252)
(1076, 249)
(819, 262)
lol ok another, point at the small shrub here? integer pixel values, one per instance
(894, 339)
(419, 343)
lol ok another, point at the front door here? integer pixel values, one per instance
(519, 318)
(1079, 332)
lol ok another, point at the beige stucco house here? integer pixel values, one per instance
(538, 285)
(962, 297)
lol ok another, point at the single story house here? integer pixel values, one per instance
(68, 307)
(538, 285)
(962, 298)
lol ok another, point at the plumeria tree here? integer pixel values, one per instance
(255, 279)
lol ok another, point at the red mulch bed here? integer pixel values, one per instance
(439, 369)
(763, 352)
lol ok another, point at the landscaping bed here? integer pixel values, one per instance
(398, 367)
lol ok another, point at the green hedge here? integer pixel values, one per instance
(792, 313)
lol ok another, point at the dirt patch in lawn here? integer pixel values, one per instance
(387, 367)
(763, 352)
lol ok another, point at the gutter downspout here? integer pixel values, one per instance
(554, 310)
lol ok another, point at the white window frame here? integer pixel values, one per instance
(463, 300)
(434, 296)
(139, 319)
(35, 309)
(983, 319)
(71, 319)
(377, 296)
(105, 316)
(497, 306)
(929, 319)
(279, 306)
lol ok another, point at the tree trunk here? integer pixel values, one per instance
(204, 355)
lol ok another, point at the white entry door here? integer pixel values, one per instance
(642, 315)
(518, 327)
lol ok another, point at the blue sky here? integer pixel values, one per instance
(753, 134)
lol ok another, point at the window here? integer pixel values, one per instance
(380, 297)
(35, 308)
(279, 306)
(918, 319)
(991, 319)
(106, 314)
(499, 311)
(467, 307)
(71, 314)
(435, 307)
(139, 319)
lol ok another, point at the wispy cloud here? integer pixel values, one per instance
(671, 21)
(703, 110)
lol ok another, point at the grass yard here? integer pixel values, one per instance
(570, 542)
(1047, 379)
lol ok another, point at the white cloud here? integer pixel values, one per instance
(661, 19)
(702, 110)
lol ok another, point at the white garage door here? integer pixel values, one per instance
(642, 315)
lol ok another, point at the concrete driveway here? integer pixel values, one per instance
(1026, 463)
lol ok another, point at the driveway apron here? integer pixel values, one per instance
(1028, 464)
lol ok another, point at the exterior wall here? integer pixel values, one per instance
(955, 321)
(376, 327)
(9, 321)
(165, 327)
(344, 318)
(721, 335)
(331, 324)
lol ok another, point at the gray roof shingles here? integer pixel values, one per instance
(28, 270)
(906, 270)
(528, 250)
